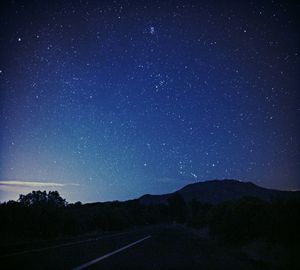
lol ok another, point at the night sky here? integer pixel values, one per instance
(109, 100)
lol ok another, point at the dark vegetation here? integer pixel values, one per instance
(42, 215)
(263, 227)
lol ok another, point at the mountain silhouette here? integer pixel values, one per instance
(218, 191)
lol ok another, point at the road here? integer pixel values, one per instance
(153, 247)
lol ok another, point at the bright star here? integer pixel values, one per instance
(152, 30)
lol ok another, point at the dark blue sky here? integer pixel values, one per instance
(108, 100)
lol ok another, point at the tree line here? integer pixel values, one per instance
(42, 215)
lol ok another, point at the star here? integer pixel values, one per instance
(130, 93)
(152, 30)
(194, 175)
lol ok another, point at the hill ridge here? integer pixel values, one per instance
(217, 191)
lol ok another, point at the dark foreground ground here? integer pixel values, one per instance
(169, 247)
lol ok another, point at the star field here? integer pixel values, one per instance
(115, 99)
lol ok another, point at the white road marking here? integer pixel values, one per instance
(110, 254)
(61, 245)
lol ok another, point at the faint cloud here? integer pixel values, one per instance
(33, 184)
(29, 184)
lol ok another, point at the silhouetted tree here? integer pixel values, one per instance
(177, 208)
(240, 221)
(41, 198)
(55, 199)
(198, 214)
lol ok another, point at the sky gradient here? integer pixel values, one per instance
(108, 100)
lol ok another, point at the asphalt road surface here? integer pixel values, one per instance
(155, 247)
